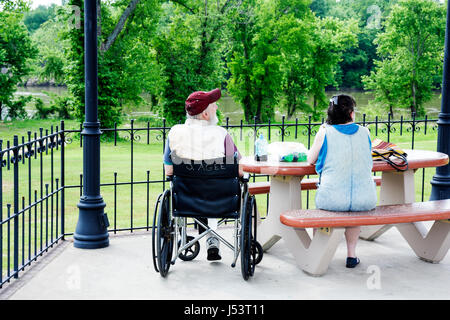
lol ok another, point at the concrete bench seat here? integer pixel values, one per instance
(263, 187)
(314, 254)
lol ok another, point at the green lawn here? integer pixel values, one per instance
(146, 157)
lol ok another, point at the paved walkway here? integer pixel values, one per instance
(124, 270)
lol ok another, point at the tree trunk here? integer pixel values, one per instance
(203, 48)
(259, 108)
(391, 111)
(247, 99)
(113, 36)
(291, 110)
(414, 102)
(291, 106)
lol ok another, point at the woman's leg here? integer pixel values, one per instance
(351, 236)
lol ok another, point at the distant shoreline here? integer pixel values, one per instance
(35, 82)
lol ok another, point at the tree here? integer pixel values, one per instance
(260, 32)
(296, 46)
(239, 62)
(385, 82)
(51, 60)
(265, 61)
(35, 18)
(190, 45)
(358, 60)
(15, 51)
(411, 52)
(321, 7)
(124, 30)
(331, 37)
(19, 6)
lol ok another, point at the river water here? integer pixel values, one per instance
(235, 113)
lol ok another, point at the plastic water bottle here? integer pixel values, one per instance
(261, 148)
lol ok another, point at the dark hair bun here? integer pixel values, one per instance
(340, 113)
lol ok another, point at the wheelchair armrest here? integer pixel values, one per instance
(169, 178)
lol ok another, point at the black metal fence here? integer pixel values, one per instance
(31, 199)
(38, 208)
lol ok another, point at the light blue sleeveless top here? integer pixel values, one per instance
(346, 182)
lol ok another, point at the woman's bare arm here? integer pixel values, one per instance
(313, 153)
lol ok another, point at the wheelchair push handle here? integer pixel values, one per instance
(245, 178)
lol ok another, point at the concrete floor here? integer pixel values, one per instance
(389, 269)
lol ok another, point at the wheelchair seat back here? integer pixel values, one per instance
(207, 188)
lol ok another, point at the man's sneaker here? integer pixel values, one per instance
(213, 249)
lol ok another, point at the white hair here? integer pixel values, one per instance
(212, 120)
(196, 117)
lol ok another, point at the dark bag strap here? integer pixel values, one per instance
(403, 166)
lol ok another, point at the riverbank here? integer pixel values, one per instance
(231, 109)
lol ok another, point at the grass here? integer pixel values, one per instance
(116, 163)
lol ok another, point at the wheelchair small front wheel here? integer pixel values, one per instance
(165, 235)
(190, 253)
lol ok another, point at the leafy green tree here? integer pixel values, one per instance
(359, 60)
(15, 51)
(18, 6)
(296, 46)
(411, 51)
(385, 82)
(262, 44)
(331, 37)
(33, 19)
(322, 7)
(265, 61)
(190, 43)
(124, 30)
(239, 60)
(51, 61)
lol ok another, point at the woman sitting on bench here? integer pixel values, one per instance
(342, 153)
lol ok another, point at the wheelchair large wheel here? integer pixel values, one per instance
(164, 236)
(154, 231)
(251, 250)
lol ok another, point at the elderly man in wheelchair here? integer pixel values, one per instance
(207, 187)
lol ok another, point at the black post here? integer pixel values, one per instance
(441, 180)
(91, 231)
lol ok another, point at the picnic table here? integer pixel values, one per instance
(397, 187)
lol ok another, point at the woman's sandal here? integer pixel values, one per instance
(352, 262)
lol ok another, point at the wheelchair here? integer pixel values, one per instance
(199, 190)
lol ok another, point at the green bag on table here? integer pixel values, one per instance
(287, 151)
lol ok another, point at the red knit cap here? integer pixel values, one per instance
(198, 101)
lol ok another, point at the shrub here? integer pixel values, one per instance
(16, 109)
(42, 112)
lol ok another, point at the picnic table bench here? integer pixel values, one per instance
(316, 253)
(263, 187)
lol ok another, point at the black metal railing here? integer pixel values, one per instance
(33, 199)
(40, 180)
